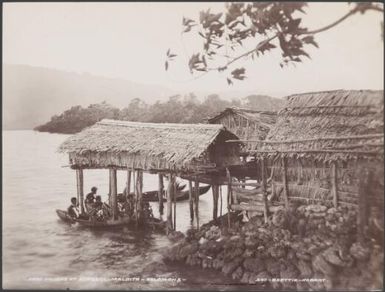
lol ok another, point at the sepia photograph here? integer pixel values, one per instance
(193, 146)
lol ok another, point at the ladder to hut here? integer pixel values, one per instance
(258, 201)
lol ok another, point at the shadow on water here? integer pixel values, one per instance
(38, 244)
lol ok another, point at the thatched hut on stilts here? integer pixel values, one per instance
(193, 151)
(328, 147)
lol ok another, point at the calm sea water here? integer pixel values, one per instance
(40, 251)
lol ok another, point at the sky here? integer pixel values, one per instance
(130, 40)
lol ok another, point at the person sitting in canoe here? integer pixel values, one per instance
(99, 210)
(73, 210)
(147, 211)
(126, 208)
(90, 199)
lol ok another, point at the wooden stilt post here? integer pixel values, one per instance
(362, 218)
(220, 194)
(228, 197)
(139, 190)
(215, 189)
(285, 186)
(109, 190)
(334, 184)
(128, 187)
(114, 194)
(265, 206)
(80, 189)
(160, 194)
(174, 199)
(77, 189)
(169, 206)
(134, 183)
(272, 190)
(197, 201)
(191, 200)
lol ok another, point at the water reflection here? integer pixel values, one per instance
(37, 244)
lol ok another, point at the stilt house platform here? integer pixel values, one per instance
(197, 152)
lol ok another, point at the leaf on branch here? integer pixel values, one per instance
(197, 62)
(293, 25)
(234, 24)
(214, 17)
(302, 52)
(168, 52)
(193, 60)
(187, 21)
(166, 65)
(266, 47)
(229, 82)
(298, 6)
(363, 6)
(173, 55)
(203, 15)
(187, 29)
(283, 43)
(238, 73)
(310, 40)
(228, 18)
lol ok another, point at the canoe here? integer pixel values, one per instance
(152, 196)
(63, 215)
(108, 223)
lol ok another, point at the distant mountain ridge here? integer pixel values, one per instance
(32, 95)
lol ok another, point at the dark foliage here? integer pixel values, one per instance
(77, 118)
(253, 29)
(176, 109)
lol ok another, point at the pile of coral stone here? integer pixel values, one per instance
(305, 247)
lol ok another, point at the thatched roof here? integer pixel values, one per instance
(337, 124)
(144, 145)
(265, 117)
(247, 124)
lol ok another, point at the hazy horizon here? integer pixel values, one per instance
(125, 44)
(129, 41)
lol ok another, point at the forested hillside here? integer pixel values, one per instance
(177, 109)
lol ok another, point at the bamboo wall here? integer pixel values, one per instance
(312, 182)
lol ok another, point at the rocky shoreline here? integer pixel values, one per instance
(309, 247)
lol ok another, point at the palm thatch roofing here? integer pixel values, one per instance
(329, 125)
(247, 124)
(264, 117)
(150, 146)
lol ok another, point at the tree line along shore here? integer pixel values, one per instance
(177, 109)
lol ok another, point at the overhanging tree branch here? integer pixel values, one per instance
(347, 15)
(313, 32)
(261, 44)
(277, 20)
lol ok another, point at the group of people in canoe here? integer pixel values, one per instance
(95, 209)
